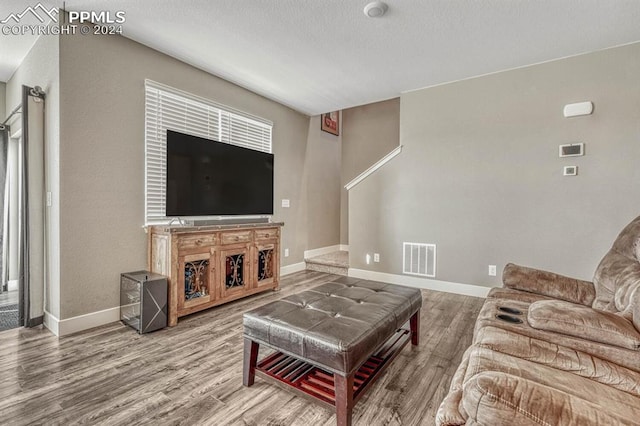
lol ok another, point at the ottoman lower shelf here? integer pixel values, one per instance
(311, 381)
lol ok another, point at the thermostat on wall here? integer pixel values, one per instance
(572, 150)
(570, 170)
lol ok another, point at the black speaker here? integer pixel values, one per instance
(143, 301)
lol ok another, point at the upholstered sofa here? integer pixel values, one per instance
(572, 357)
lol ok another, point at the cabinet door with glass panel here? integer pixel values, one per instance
(266, 259)
(235, 271)
(195, 276)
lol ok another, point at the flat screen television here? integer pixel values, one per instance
(210, 178)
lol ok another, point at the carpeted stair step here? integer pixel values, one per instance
(331, 263)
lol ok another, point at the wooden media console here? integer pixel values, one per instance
(214, 264)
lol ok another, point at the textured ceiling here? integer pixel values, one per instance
(323, 55)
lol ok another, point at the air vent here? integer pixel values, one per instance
(419, 259)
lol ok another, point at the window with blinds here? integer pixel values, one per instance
(173, 109)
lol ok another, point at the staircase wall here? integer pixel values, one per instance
(369, 132)
(480, 176)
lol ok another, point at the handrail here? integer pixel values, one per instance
(384, 160)
(14, 112)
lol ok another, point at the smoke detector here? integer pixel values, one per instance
(375, 9)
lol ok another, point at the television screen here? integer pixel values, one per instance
(210, 178)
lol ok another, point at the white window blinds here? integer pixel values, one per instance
(169, 108)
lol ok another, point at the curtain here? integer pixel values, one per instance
(4, 208)
(32, 219)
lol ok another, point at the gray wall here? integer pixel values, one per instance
(480, 176)
(369, 132)
(41, 68)
(3, 95)
(102, 163)
(322, 176)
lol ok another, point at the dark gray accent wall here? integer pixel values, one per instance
(480, 175)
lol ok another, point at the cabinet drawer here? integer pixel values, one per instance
(266, 234)
(236, 237)
(196, 241)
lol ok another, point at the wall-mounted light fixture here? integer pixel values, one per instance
(578, 109)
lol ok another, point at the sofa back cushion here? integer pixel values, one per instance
(584, 322)
(617, 278)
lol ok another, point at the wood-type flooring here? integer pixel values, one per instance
(191, 374)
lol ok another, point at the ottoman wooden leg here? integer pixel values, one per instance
(250, 360)
(344, 398)
(414, 324)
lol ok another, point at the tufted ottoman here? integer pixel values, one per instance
(332, 341)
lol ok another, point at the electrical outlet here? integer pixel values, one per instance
(49, 199)
(285, 203)
(376, 257)
(492, 270)
(286, 252)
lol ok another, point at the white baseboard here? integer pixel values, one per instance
(81, 322)
(323, 250)
(12, 285)
(290, 269)
(425, 283)
(51, 323)
(344, 247)
(95, 319)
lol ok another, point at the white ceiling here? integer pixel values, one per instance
(324, 55)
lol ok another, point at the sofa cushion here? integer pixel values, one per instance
(569, 387)
(581, 321)
(496, 398)
(495, 388)
(561, 358)
(487, 318)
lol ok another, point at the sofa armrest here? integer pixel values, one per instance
(548, 284)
